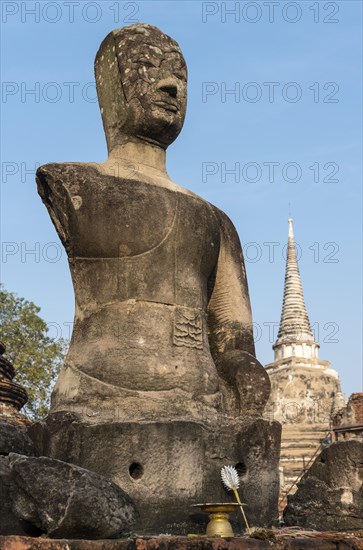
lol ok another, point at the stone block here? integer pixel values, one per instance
(14, 439)
(63, 500)
(330, 495)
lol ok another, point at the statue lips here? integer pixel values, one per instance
(168, 106)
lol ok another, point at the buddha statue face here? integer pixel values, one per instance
(153, 78)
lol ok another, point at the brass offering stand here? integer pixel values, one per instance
(218, 525)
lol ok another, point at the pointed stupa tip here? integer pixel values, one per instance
(294, 323)
(291, 229)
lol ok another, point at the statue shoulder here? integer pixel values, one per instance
(62, 173)
(224, 221)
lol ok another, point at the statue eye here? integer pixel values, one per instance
(146, 63)
(181, 75)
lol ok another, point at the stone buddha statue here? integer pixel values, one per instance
(158, 273)
(162, 329)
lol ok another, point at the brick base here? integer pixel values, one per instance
(311, 541)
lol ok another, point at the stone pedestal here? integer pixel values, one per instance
(165, 480)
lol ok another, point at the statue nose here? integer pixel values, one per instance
(169, 86)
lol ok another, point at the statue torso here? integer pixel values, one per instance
(141, 258)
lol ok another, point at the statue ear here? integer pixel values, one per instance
(110, 93)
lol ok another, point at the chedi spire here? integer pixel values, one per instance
(295, 337)
(305, 390)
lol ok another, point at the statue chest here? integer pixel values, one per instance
(139, 237)
(113, 218)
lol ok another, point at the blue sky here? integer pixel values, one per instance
(291, 131)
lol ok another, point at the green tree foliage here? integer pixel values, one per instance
(36, 356)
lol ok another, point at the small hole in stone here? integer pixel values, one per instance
(241, 469)
(136, 471)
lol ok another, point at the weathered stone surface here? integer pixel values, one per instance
(169, 478)
(162, 304)
(302, 399)
(330, 495)
(14, 439)
(348, 421)
(247, 383)
(10, 524)
(63, 500)
(327, 542)
(142, 340)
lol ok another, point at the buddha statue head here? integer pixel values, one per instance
(141, 80)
